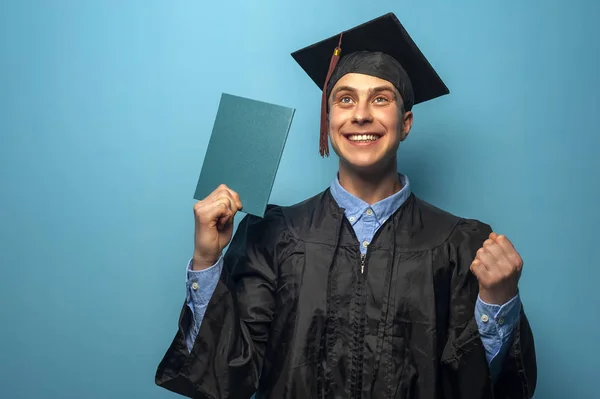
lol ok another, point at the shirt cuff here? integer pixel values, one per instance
(201, 284)
(503, 318)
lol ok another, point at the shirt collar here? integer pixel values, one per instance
(354, 207)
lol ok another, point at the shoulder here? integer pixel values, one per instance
(449, 227)
(300, 218)
(265, 228)
(287, 220)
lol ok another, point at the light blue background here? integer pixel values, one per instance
(105, 114)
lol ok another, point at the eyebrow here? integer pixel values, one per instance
(377, 89)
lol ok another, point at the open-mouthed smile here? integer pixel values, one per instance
(362, 138)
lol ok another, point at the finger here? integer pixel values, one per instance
(229, 216)
(230, 201)
(218, 192)
(486, 258)
(504, 243)
(509, 251)
(229, 205)
(225, 221)
(493, 236)
(224, 190)
(479, 270)
(236, 198)
(494, 248)
(216, 212)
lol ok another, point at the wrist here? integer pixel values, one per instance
(203, 262)
(496, 298)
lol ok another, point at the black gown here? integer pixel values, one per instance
(299, 313)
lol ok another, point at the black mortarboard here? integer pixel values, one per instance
(380, 47)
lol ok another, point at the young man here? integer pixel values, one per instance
(365, 290)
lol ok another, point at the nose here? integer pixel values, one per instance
(362, 114)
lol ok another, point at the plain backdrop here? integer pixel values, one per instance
(106, 108)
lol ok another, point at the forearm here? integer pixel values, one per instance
(517, 375)
(496, 325)
(200, 285)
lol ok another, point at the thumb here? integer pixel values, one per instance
(226, 222)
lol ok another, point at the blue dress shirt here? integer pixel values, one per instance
(495, 322)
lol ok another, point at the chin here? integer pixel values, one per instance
(363, 163)
(367, 161)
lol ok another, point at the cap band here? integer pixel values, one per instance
(379, 65)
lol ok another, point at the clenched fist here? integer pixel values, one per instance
(497, 267)
(214, 217)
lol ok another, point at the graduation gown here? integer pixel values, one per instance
(300, 313)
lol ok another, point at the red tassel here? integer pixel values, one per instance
(324, 143)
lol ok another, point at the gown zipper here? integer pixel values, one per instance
(358, 335)
(362, 263)
(358, 330)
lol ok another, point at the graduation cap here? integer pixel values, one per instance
(381, 48)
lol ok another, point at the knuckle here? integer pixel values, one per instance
(519, 266)
(202, 204)
(516, 260)
(512, 263)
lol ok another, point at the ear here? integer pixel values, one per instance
(407, 121)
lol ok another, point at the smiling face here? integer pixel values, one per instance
(366, 122)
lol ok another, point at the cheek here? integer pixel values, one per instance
(389, 118)
(336, 120)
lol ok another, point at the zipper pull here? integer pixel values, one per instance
(362, 263)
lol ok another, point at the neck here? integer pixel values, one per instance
(370, 187)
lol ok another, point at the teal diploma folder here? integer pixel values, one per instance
(244, 150)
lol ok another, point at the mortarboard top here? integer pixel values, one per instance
(385, 35)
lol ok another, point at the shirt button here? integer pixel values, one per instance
(369, 212)
(352, 218)
(195, 286)
(484, 318)
(501, 321)
(365, 244)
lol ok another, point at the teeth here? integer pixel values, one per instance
(363, 137)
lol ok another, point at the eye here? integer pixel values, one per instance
(345, 100)
(381, 99)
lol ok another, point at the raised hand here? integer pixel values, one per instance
(497, 267)
(214, 217)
